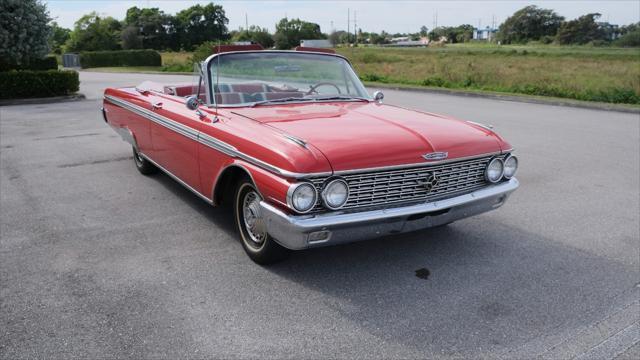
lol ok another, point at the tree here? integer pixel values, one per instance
(255, 34)
(290, 32)
(24, 32)
(338, 37)
(152, 25)
(92, 33)
(529, 23)
(424, 31)
(58, 37)
(198, 24)
(630, 36)
(131, 38)
(457, 34)
(581, 30)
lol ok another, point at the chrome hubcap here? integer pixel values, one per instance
(138, 158)
(253, 221)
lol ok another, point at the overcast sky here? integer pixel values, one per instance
(392, 16)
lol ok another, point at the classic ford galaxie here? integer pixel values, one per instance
(292, 141)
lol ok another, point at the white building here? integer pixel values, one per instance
(319, 44)
(486, 34)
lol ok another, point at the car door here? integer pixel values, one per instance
(174, 138)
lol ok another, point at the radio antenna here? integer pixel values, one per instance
(217, 79)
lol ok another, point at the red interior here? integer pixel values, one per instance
(235, 93)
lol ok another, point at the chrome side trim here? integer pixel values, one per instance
(209, 141)
(216, 144)
(296, 140)
(158, 119)
(430, 163)
(488, 127)
(174, 177)
(126, 135)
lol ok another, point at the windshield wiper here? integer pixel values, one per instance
(287, 99)
(341, 97)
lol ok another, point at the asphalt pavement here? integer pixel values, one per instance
(98, 261)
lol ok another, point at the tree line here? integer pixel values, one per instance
(152, 28)
(532, 23)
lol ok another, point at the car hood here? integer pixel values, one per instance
(364, 135)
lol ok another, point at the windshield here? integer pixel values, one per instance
(253, 78)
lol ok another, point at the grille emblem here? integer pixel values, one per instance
(431, 182)
(436, 155)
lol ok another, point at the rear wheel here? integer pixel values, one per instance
(143, 165)
(257, 243)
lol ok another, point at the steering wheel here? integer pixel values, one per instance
(312, 88)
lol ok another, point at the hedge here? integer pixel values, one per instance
(91, 59)
(31, 84)
(47, 63)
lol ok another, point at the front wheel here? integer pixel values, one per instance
(257, 243)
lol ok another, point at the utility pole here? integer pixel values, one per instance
(355, 27)
(246, 22)
(348, 26)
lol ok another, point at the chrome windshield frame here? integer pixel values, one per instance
(208, 81)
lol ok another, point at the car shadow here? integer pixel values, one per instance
(479, 283)
(450, 285)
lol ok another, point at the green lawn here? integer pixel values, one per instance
(582, 73)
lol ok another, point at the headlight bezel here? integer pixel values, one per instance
(486, 171)
(326, 187)
(292, 191)
(504, 168)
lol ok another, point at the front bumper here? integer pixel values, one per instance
(298, 232)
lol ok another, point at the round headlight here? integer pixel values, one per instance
(494, 171)
(510, 166)
(302, 197)
(335, 194)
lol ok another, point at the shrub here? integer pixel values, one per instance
(30, 84)
(203, 51)
(630, 39)
(89, 59)
(47, 63)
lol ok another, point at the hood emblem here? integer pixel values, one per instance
(440, 155)
(431, 182)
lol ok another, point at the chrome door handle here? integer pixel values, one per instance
(156, 105)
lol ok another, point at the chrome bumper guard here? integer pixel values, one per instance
(298, 232)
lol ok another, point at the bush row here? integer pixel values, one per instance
(32, 84)
(47, 63)
(91, 59)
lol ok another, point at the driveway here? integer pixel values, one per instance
(98, 261)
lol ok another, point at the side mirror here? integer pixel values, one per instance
(192, 103)
(378, 96)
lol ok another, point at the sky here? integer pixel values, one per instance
(371, 15)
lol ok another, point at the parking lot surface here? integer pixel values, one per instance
(99, 261)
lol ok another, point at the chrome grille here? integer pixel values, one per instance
(384, 188)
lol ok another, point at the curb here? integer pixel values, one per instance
(518, 98)
(47, 100)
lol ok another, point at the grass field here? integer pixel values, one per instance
(573, 72)
(591, 74)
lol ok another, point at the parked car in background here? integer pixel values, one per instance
(304, 155)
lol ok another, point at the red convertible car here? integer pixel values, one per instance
(292, 141)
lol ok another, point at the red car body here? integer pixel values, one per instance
(277, 145)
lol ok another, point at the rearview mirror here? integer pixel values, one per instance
(192, 102)
(378, 96)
